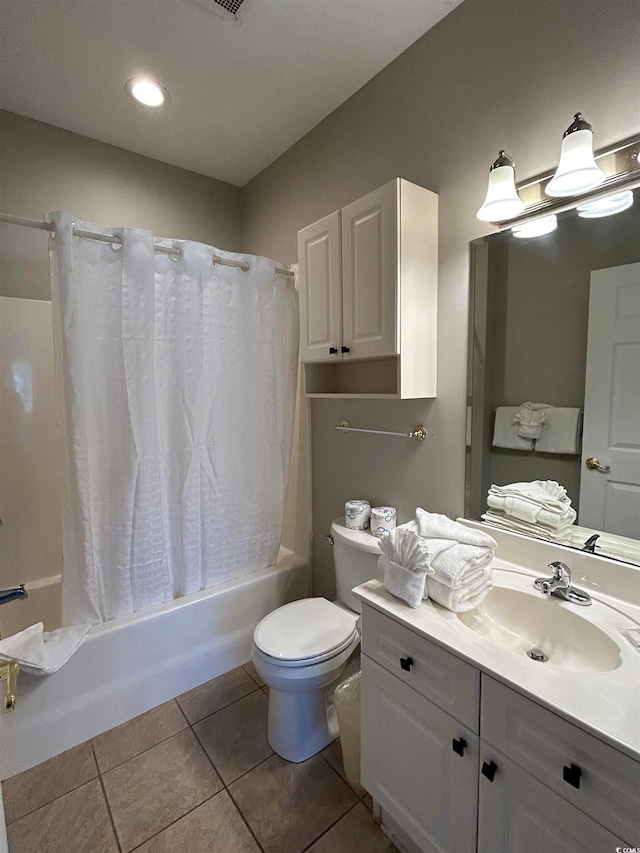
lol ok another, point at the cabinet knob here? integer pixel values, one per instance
(459, 745)
(572, 775)
(406, 663)
(333, 350)
(345, 349)
(489, 770)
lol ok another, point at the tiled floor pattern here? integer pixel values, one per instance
(196, 774)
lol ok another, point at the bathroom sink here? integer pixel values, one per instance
(524, 624)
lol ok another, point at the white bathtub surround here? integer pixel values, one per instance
(177, 383)
(129, 665)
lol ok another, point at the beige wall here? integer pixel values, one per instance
(44, 168)
(494, 73)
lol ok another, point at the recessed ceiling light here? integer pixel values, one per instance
(536, 228)
(146, 91)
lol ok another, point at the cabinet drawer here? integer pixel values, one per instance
(544, 744)
(439, 676)
(518, 814)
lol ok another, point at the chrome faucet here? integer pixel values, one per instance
(13, 594)
(590, 544)
(560, 586)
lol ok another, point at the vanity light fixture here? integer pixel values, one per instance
(607, 206)
(536, 228)
(502, 201)
(577, 170)
(146, 91)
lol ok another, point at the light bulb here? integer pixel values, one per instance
(536, 228)
(146, 91)
(577, 171)
(502, 201)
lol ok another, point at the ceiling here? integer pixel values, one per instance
(241, 91)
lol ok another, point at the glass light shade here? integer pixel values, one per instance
(577, 171)
(606, 206)
(536, 228)
(146, 92)
(502, 201)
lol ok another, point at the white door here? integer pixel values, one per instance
(518, 814)
(410, 767)
(370, 274)
(610, 499)
(320, 290)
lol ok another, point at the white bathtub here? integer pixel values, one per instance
(129, 665)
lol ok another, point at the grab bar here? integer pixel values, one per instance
(418, 432)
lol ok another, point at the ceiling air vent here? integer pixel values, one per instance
(222, 8)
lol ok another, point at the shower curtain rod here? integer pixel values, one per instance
(115, 238)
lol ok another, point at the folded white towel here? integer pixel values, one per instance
(458, 566)
(407, 584)
(561, 432)
(433, 525)
(462, 600)
(505, 431)
(530, 418)
(547, 493)
(41, 653)
(540, 531)
(541, 502)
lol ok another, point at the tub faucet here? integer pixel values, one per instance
(559, 585)
(13, 594)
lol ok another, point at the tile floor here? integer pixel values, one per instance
(196, 774)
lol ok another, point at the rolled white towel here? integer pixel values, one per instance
(461, 600)
(459, 565)
(407, 584)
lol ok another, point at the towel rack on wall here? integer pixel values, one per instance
(418, 432)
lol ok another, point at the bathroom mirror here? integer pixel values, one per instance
(530, 335)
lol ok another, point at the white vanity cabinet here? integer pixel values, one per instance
(453, 772)
(368, 296)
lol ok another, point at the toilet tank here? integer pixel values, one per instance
(355, 557)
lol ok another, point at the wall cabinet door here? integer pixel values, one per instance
(370, 274)
(319, 259)
(518, 814)
(410, 767)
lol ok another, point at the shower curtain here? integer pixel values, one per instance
(176, 387)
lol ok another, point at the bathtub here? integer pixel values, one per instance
(129, 665)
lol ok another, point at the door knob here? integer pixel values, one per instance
(594, 464)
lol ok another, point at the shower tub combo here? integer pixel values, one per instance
(129, 665)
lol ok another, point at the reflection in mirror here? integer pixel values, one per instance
(555, 320)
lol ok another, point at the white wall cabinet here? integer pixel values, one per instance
(501, 776)
(368, 296)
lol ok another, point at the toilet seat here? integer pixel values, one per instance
(305, 632)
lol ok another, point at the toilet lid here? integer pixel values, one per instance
(305, 629)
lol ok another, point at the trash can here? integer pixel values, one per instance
(347, 703)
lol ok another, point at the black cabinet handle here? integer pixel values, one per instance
(333, 350)
(459, 745)
(344, 349)
(406, 663)
(489, 770)
(572, 775)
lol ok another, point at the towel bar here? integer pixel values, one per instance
(418, 432)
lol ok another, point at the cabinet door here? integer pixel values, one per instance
(370, 273)
(410, 767)
(518, 814)
(320, 290)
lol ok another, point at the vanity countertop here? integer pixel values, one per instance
(606, 704)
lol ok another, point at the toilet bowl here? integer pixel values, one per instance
(302, 648)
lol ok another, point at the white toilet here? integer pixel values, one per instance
(301, 648)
